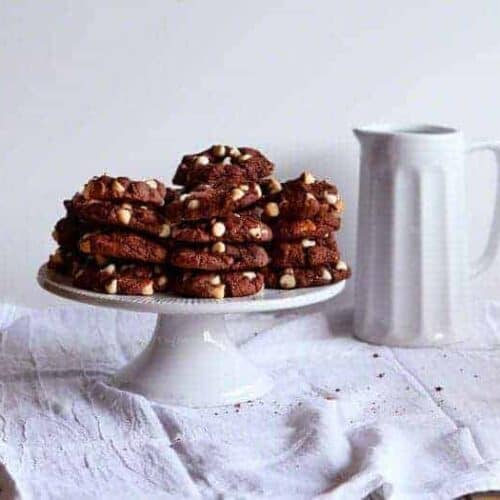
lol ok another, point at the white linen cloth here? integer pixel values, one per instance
(345, 418)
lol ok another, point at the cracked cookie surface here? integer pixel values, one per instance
(219, 257)
(218, 285)
(119, 278)
(291, 278)
(123, 245)
(104, 187)
(298, 229)
(234, 228)
(222, 162)
(309, 252)
(208, 201)
(304, 198)
(142, 218)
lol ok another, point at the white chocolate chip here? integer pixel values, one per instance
(234, 152)
(341, 266)
(274, 186)
(326, 274)
(308, 178)
(244, 187)
(193, 204)
(258, 190)
(310, 196)
(218, 247)
(184, 197)
(111, 287)
(272, 209)
(215, 280)
(218, 292)
(202, 160)
(116, 186)
(109, 269)
(148, 289)
(237, 194)
(339, 206)
(162, 281)
(226, 160)
(250, 275)
(219, 150)
(124, 216)
(218, 229)
(152, 183)
(255, 232)
(331, 198)
(287, 281)
(245, 157)
(164, 231)
(308, 243)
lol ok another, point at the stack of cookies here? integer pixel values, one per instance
(216, 242)
(113, 237)
(228, 230)
(303, 214)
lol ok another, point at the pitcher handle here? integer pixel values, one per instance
(491, 250)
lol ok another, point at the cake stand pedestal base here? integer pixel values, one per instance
(190, 361)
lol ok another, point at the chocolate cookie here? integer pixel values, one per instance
(63, 261)
(122, 245)
(218, 200)
(123, 279)
(303, 198)
(234, 228)
(67, 232)
(218, 286)
(290, 278)
(219, 257)
(298, 229)
(222, 162)
(306, 253)
(137, 217)
(152, 191)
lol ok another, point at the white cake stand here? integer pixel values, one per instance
(190, 361)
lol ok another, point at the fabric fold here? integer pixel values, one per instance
(344, 420)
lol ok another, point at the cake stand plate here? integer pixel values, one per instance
(190, 360)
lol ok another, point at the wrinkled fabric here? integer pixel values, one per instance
(345, 418)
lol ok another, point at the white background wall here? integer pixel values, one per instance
(127, 87)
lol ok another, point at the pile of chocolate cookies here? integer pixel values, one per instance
(228, 230)
(217, 242)
(112, 239)
(304, 214)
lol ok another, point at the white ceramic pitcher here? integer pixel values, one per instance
(413, 267)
